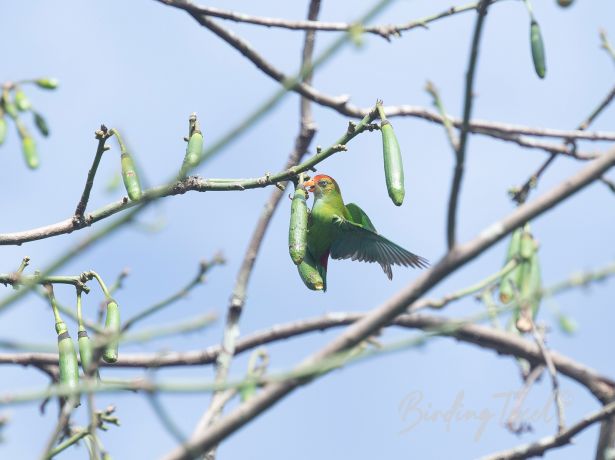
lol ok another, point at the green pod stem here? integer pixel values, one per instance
(112, 326)
(129, 175)
(194, 152)
(41, 124)
(68, 363)
(297, 230)
(3, 129)
(28, 147)
(538, 49)
(21, 101)
(86, 351)
(511, 280)
(309, 274)
(393, 164)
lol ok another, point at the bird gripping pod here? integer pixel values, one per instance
(393, 164)
(309, 274)
(112, 326)
(297, 230)
(513, 277)
(69, 367)
(129, 175)
(538, 49)
(30, 153)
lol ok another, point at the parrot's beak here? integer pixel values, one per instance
(309, 185)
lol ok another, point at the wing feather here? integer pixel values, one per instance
(358, 242)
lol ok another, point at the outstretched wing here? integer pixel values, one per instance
(359, 242)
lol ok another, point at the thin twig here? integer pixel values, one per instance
(102, 135)
(512, 422)
(448, 126)
(547, 443)
(521, 194)
(460, 151)
(606, 45)
(204, 267)
(385, 31)
(559, 405)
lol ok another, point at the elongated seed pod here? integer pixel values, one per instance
(3, 129)
(309, 274)
(297, 230)
(194, 152)
(28, 147)
(393, 164)
(129, 175)
(85, 349)
(21, 101)
(538, 49)
(46, 83)
(112, 326)
(510, 281)
(68, 363)
(41, 124)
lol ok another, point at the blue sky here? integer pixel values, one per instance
(142, 68)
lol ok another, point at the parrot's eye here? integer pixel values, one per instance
(322, 183)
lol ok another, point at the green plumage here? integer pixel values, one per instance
(346, 232)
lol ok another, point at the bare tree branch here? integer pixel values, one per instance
(541, 446)
(385, 31)
(461, 146)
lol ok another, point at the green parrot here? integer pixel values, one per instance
(345, 232)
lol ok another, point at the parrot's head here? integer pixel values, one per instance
(322, 185)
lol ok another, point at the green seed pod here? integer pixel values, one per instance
(297, 231)
(86, 350)
(46, 83)
(564, 3)
(41, 124)
(3, 129)
(194, 152)
(538, 49)
(309, 274)
(69, 366)
(21, 101)
(513, 277)
(393, 165)
(131, 180)
(9, 106)
(112, 326)
(30, 153)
